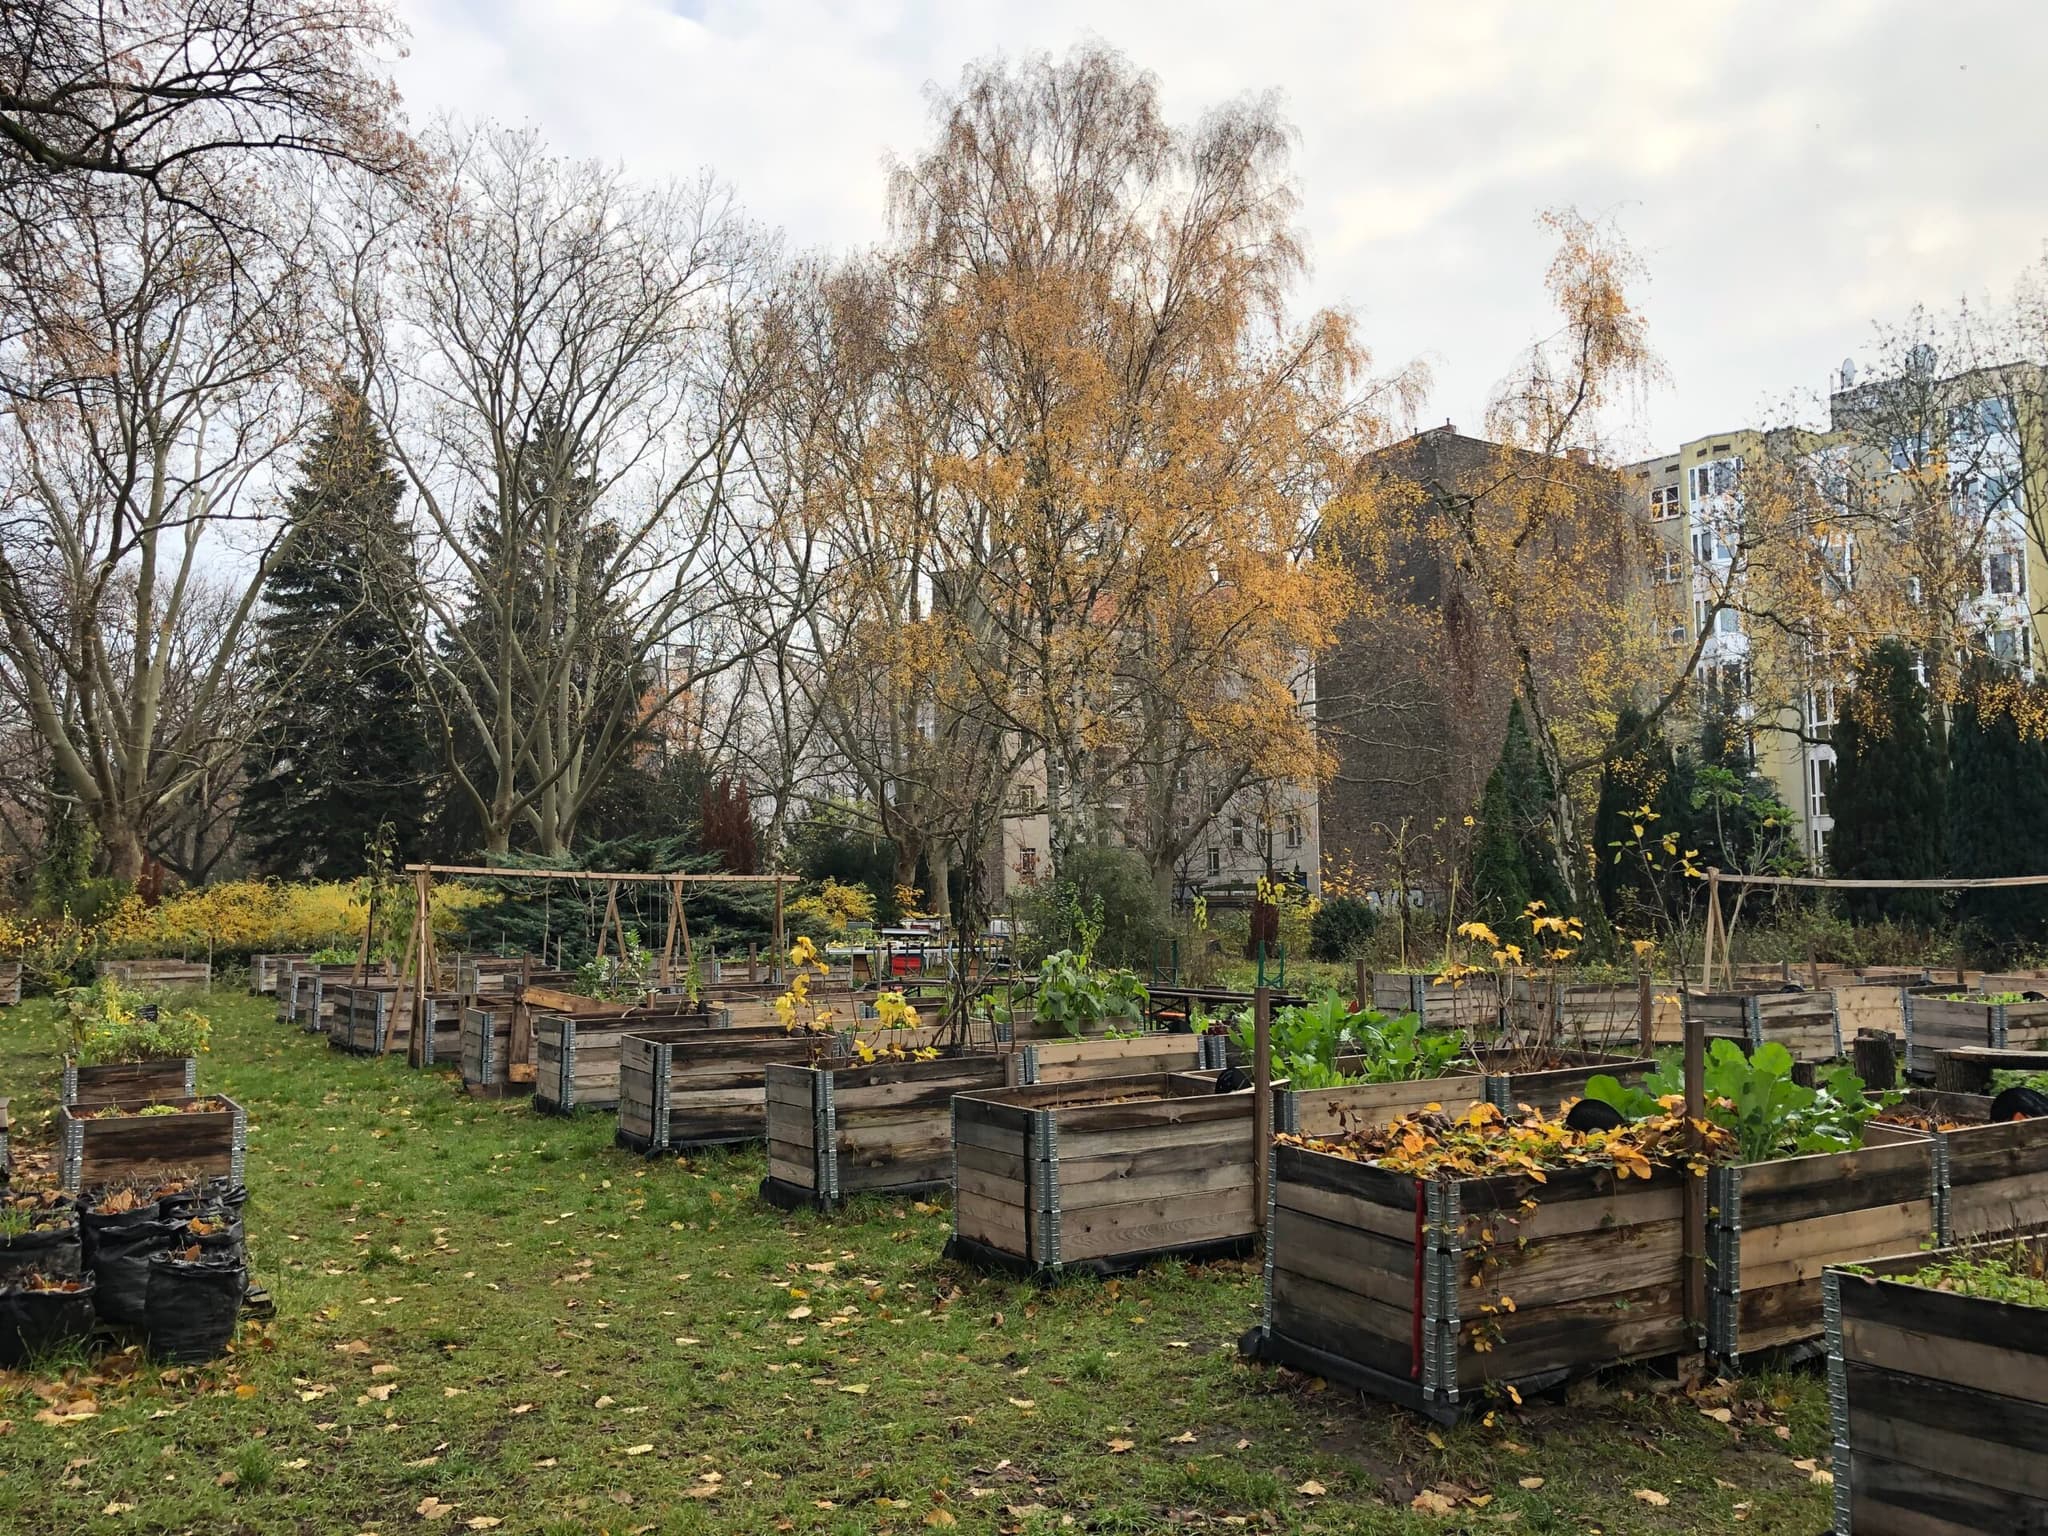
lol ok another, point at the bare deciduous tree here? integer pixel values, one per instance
(563, 363)
(146, 394)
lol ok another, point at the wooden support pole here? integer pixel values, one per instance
(1360, 986)
(1713, 927)
(419, 968)
(781, 948)
(1262, 1103)
(1646, 1017)
(1695, 1236)
(668, 942)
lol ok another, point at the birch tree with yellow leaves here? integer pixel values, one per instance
(1137, 440)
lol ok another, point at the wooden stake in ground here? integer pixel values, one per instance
(1695, 1184)
(1646, 1018)
(419, 967)
(1262, 1102)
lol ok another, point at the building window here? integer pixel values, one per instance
(1665, 503)
(2004, 573)
(1215, 861)
(2005, 646)
(1294, 832)
(1820, 847)
(1820, 779)
(1237, 832)
(1728, 622)
(1668, 566)
(1027, 862)
(1180, 780)
(1715, 479)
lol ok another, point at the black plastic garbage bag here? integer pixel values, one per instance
(121, 1265)
(51, 1248)
(34, 1319)
(93, 1222)
(192, 1306)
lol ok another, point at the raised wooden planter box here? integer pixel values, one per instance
(130, 1082)
(313, 1002)
(158, 973)
(1803, 1022)
(265, 971)
(843, 1128)
(1994, 1180)
(685, 1088)
(1576, 1013)
(576, 1056)
(1331, 1111)
(487, 1048)
(1937, 1405)
(1103, 1175)
(1937, 1024)
(441, 1036)
(95, 1150)
(1369, 1277)
(2013, 981)
(1074, 1061)
(1547, 1089)
(10, 983)
(1772, 1228)
(1472, 1004)
(370, 1018)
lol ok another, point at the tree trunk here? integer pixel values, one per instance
(122, 841)
(941, 895)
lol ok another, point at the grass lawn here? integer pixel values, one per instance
(492, 1320)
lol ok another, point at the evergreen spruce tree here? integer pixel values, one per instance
(1890, 790)
(342, 746)
(1515, 860)
(1997, 815)
(596, 657)
(1640, 773)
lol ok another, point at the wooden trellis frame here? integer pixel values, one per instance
(420, 961)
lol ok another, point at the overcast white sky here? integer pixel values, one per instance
(1791, 172)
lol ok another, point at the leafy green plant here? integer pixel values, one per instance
(1323, 1044)
(615, 978)
(105, 1022)
(336, 954)
(1755, 1098)
(1077, 997)
(2015, 1272)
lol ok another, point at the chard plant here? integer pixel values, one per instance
(1755, 1099)
(1324, 1044)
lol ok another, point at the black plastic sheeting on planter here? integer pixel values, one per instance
(214, 1191)
(192, 1306)
(121, 1265)
(94, 1225)
(52, 1251)
(34, 1321)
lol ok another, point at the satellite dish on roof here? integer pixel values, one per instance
(1848, 373)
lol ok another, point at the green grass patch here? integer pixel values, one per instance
(502, 1314)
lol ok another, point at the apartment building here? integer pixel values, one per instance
(1930, 456)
